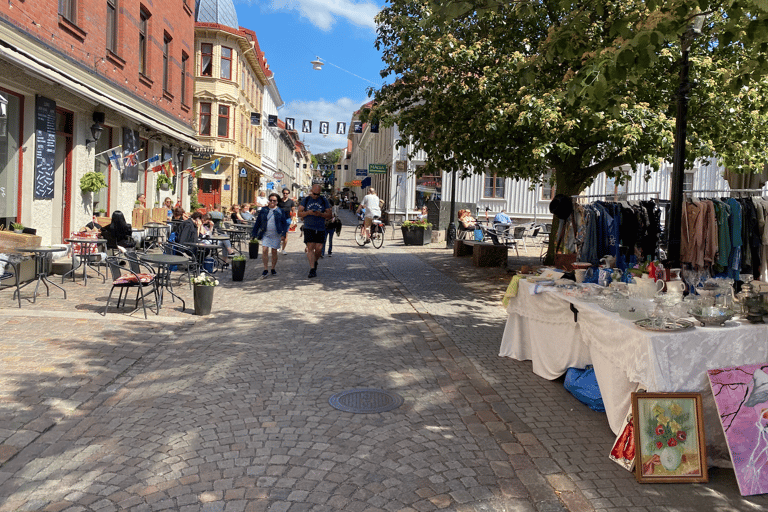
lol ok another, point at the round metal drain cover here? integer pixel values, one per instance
(367, 400)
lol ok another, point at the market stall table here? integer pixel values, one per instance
(43, 256)
(556, 332)
(164, 262)
(86, 253)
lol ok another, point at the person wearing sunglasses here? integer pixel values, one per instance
(270, 228)
(288, 206)
(314, 209)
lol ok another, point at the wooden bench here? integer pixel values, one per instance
(483, 253)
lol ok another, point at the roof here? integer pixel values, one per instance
(216, 11)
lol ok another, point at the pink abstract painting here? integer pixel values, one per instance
(741, 395)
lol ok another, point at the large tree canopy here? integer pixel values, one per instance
(532, 87)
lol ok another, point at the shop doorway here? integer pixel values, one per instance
(208, 192)
(64, 198)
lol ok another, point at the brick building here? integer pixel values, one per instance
(78, 77)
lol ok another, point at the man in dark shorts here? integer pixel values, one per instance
(286, 204)
(314, 209)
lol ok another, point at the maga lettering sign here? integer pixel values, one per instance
(377, 168)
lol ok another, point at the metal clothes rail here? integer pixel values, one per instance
(617, 196)
(754, 191)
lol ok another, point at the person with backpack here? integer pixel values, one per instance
(314, 210)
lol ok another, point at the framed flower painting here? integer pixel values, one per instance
(669, 438)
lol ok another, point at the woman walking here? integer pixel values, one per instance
(270, 228)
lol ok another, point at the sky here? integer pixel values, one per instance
(292, 33)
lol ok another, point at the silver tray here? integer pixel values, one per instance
(669, 326)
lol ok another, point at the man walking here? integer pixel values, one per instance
(287, 205)
(314, 209)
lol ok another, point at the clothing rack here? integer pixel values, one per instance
(616, 195)
(724, 192)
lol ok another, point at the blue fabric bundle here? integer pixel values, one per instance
(582, 383)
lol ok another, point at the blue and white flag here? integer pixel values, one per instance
(116, 159)
(154, 160)
(215, 166)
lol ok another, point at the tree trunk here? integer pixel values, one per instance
(569, 183)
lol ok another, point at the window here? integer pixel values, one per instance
(68, 9)
(226, 63)
(143, 24)
(205, 119)
(223, 121)
(616, 188)
(206, 59)
(112, 25)
(183, 83)
(494, 186)
(166, 63)
(688, 181)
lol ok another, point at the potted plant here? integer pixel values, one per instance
(163, 182)
(92, 181)
(203, 287)
(102, 212)
(17, 227)
(418, 232)
(238, 267)
(253, 248)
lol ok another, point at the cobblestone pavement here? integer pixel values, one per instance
(230, 412)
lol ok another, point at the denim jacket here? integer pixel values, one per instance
(260, 227)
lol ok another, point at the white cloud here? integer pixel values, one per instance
(324, 13)
(339, 111)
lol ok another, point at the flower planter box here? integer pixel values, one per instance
(416, 235)
(253, 250)
(203, 298)
(238, 270)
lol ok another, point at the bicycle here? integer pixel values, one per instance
(377, 233)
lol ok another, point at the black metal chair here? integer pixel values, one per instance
(191, 268)
(8, 274)
(128, 273)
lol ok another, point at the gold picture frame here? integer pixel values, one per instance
(669, 438)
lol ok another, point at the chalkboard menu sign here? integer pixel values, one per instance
(45, 147)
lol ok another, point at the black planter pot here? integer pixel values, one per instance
(238, 270)
(253, 250)
(416, 235)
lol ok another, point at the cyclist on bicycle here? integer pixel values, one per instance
(372, 210)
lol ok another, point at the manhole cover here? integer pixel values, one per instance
(363, 401)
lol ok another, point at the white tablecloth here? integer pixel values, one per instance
(541, 328)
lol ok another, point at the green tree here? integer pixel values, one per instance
(562, 91)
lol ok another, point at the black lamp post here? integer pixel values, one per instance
(450, 234)
(674, 222)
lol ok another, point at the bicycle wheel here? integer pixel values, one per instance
(359, 238)
(377, 237)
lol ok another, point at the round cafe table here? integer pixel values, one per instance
(43, 256)
(85, 255)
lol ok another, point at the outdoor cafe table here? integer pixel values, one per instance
(164, 262)
(85, 257)
(43, 255)
(236, 235)
(202, 250)
(154, 233)
(541, 327)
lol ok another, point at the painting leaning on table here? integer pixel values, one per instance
(741, 395)
(669, 438)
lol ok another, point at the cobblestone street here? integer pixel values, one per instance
(230, 412)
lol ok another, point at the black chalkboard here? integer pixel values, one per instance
(130, 147)
(45, 147)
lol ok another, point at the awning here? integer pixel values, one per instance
(50, 72)
(211, 176)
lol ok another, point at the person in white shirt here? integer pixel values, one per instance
(262, 200)
(371, 204)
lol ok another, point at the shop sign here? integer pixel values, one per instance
(361, 172)
(377, 168)
(243, 172)
(278, 176)
(203, 152)
(401, 166)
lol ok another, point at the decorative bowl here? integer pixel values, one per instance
(712, 315)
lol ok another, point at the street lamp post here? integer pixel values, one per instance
(450, 234)
(674, 223)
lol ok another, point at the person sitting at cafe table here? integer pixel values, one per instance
(168, 205)
(205, 230)
(235, 216)
(118, 232)
(245, 212)
(502, 218)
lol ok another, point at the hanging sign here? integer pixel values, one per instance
(361, 172)
(290, 124)
(255, 118)
(401, 166)
(243, 172)
(278, 175)
(377, 168)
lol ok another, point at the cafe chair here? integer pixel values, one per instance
(128, 273)
(531, 234)
(10, 271)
